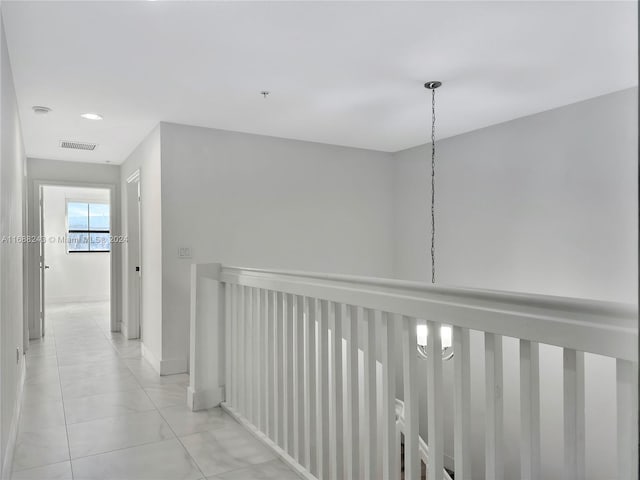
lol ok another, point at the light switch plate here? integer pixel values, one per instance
(184, 252)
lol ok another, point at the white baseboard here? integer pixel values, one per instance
(77, 299)
(284, 456)
(7, 466)
(204, 399)
(124, 328)
(150, 357)
(169, 366)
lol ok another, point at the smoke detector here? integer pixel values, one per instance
(78, 145)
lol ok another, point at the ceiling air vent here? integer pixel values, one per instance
(78, 145)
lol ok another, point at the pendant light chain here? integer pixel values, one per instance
(433, 185)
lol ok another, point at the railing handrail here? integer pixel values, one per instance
(605, 328)
(263, 343)
(532, 299)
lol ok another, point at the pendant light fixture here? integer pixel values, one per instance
(432, 86)
(445, 331)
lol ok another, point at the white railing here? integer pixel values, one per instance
(263, 345)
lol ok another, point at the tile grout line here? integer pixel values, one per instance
(140, 380)
(184, 448)
(246, 467)
(154, 404)
(66, 424)
(204, 477)
(119, 449)
(180, 442)
(64, 411)
(96, 325)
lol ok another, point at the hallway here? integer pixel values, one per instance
(95, 409)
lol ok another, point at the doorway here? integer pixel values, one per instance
(75, 251)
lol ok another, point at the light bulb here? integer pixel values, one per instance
(445, 336)
(422, 332)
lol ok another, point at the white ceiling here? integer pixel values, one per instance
(344, 73)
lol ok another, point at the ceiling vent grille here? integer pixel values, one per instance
(78, 145)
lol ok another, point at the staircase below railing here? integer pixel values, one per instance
(423, 449)
(310, 364)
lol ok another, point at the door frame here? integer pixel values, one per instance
(33, 321)
(132, 327)
(42, 263)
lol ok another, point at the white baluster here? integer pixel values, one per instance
(289, 374)
(306, 418)
(227, 343)
(411, 407)
(257, 363)
(312, 385)
(352, 426)
(249, 352)
(574, 415)
(279, 372)
(529, 410)
(255, 347)
(462, 403)
(494, 438)
(627, 413)
(337, 388)
(286, 377)
(264, 347)
(435, 403)
(391, 469)
(370, 404)
(233, 385)
(323, 363)
(399, 443)
(242, 337)
(251, 355)
(270, 375)
(298, 421)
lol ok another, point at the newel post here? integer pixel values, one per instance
(206, 342)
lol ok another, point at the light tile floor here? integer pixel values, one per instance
(95, 409)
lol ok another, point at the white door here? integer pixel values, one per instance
(134, 256)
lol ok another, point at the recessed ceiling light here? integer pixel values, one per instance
(91, 116)
(40, 110)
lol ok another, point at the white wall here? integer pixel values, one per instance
(72, 277)
(543, 204)
(56, 172)
(260, 201)
(146, 158)
(12, 181)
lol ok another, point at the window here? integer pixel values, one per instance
(88, 227)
